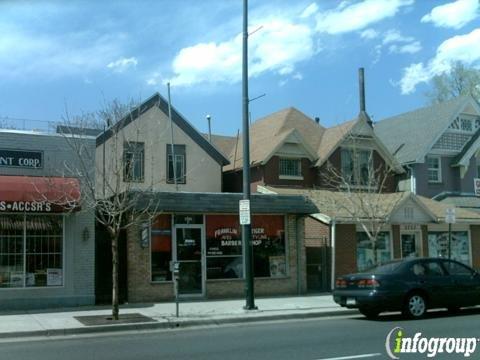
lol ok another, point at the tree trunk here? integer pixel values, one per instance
(115, 307)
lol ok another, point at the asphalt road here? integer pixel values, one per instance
(351, 337)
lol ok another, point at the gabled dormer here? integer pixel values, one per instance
(437, 144)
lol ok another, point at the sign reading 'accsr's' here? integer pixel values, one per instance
(21, 158)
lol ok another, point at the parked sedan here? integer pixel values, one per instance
(411, 286)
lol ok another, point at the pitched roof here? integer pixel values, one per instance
(332, 137)
(223, 143)
(410, 135)
(177, 118)
(327, 202)
(268, 133)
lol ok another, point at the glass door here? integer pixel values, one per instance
(410, 245)
(189, 253)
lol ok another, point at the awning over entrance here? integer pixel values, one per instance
(38, 194)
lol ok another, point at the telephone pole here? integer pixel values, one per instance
(246, 225)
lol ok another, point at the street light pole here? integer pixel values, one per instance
(246, 228)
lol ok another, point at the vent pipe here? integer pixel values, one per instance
(209, 128)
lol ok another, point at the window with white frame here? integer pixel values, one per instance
(290, 167)
(434, 169)
(357, 166)
(179, 152)
(133, 161)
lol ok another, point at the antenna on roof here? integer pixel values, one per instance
(209, 118)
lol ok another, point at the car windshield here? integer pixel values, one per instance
(385, 268)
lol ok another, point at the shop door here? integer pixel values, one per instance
(189, 253)
(410, 243)
(318, 269)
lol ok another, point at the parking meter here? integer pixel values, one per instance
(175, 269)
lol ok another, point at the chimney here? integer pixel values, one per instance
(361, 86)
(317, 120)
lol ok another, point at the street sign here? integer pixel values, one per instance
(244, 212)
(476, 185)
(450, 216)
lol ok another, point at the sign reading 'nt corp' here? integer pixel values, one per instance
(21, 158)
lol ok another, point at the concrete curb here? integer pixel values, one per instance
(172, 323)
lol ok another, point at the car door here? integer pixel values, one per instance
(432, 278)
(465, 283)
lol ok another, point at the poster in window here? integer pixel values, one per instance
(277, 266)
(16, 279)
(54, 277)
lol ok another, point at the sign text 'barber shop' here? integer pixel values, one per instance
(21, 159)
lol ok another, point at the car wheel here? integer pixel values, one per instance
(369, 313)
(415, 306)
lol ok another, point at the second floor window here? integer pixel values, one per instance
(434, 169)
(133, 161)
(357, 166)
(179, 163)
(290, 167)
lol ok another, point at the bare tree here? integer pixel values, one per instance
(109, 176)
(361, 189)
(460, 80)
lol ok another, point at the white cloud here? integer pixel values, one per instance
(462, 48)
(25, 54)
(410, 48)
(352, 17)
(122, 64)
(453, 15)
(393, 35)
(397, 44)
(369, 34)
(277, 47)
(309, 10)
(287, 38)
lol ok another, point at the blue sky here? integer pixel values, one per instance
(79, 54)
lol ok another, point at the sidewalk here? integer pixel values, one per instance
(162, 315)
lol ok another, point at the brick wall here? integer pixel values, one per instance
(424, 230)
(475, 239)
(140, 288)
(317, 234)
(345, 249)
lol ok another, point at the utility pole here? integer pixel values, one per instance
(246, 223)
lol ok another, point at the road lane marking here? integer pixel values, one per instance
(353, 357)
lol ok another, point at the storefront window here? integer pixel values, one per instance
(161, 247)
(37, 239)
(268, 236)
(365, 250)
(224, 246)
(438, 245)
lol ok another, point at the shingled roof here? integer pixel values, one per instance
(268, 133)
(327, 202)
(410, 135)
